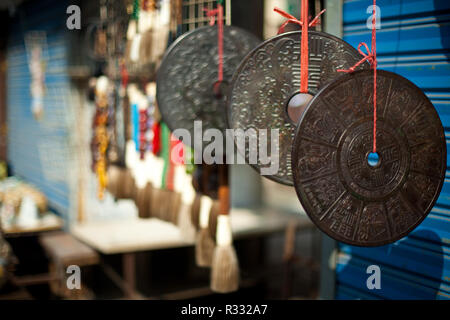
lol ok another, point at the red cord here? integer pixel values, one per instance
(219, 13)
(143, 144)
(124, 74)
(304, 50)
(220, 39)
(156, 147)
(304, 68)
(374, 66)
(371, 56)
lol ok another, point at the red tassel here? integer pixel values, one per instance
(156, 138)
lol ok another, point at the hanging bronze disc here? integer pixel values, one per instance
(188, 75)
(269, 77)
(347, 196)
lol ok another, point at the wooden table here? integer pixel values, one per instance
(64, 250)
(127, 237)
(47, 222)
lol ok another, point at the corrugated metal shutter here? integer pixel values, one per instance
(38, 151)
(414, 41)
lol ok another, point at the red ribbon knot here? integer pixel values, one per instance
(304, 51)
(370, 57)
(291, 19)
(211, 14)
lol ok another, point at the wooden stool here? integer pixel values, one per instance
(64, 250)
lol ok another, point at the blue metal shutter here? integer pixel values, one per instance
(414, 41)
(38, 151)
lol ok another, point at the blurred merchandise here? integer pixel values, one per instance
(13, 191)
(113, 187)
(3, 170)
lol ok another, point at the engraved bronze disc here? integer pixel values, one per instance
(349, 198)
(266, 80)
(188, 74)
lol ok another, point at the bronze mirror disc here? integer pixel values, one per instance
(188, 74)
(269, 77)
(347, 196)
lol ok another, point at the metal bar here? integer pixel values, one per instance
(192, 14)
(333, 17)
(196, 18)
(228, 12)
(318, 8)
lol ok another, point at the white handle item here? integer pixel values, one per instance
(205, 207)
(223, 234)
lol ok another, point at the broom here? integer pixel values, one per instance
(204, 245)
(195, 211)
(225, 267)
(198, 185)
(213, 215)
(183, 185)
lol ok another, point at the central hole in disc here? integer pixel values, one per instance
(220, 89)
(297, 105)
(373, 159)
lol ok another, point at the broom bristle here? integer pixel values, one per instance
(204, 248)
(224, 270)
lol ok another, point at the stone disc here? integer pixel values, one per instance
(188, 73)
(348, 198)
(266, 80)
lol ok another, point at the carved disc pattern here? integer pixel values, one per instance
(350, 200)
(188, 72)
(269, 76)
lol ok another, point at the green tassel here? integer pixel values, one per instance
(135, 14)
(189, 159)
(165, 152)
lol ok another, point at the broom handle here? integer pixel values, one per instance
(224, 190)
(204, 183)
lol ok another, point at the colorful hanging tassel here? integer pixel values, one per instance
(225, 267)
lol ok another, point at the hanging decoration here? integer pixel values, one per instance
(224, 262)
(143, 127)
(156, 142)
(304, 44)
(204, 244)
(369, 155)
(115, 149)
(212, 20)
(150, 91)
(36, 45)
(189, 74)
(274, 83)
(225, 266)
(165, 152)
(147, 36)
(105, 36)
(100, 135)
(120, 116)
